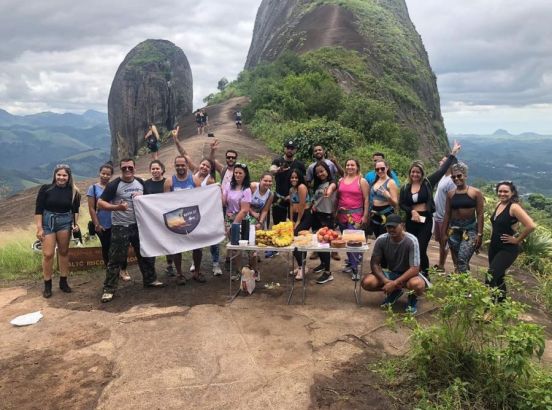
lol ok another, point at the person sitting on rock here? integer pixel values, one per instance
(401, 252)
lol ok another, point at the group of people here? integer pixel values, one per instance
(324, 194)
(202, 121)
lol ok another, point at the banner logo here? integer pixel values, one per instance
(182, 220)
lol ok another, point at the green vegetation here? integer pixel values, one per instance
(17, 259)
(152, 51)
(478, 354)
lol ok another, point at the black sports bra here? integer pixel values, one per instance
(462, 201)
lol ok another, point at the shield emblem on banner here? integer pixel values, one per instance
(182, 220)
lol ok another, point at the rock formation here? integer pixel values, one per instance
(381, 32)
(153, 84)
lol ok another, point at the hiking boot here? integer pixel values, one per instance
(412, 306)
(47, 292)
(324, 278)
(217, 271)
(391, 298)
(63, 285)
(319, 268)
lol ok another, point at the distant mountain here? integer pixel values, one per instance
(523, 158)
(31, 145)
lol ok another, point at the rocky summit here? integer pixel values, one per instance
(152, 85)
(395, 65)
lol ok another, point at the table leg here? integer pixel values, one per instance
(231, 296)
(292, 278)
(303, 271)
(357, 282)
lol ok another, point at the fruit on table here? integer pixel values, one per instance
(280, 235)
(327, 235)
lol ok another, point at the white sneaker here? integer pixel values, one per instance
(192, 268)
(217, 271)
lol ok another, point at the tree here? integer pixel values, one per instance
(222, 84)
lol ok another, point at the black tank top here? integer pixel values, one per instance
(462, 201)
(502, 224)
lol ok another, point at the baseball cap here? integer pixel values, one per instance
(289, 144)
(393, 220)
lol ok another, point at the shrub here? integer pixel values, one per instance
(478, 353)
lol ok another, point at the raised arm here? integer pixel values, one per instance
(182, 151)
(437, 175)
(218, 165)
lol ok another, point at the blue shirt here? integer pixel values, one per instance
(104, 217)
(371, 177)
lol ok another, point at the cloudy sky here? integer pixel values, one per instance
(492, 58)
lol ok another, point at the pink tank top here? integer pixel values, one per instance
(350, 197)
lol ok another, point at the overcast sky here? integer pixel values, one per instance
(492, 58)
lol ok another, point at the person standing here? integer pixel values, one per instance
(505, 241)
(444, 186)
(226, 172)
(118, 198)
(384, 197)
(182, 180)
(152, 141)
(56, 215)
(463, 223)
(319, 154)
(372, 174)
(238, 118)
(281, 167)
(352, 208)
(101, 218)
(416, 200)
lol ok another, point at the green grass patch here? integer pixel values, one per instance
(18, 260)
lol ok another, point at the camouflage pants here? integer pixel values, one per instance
(462, 238)
(121, 237)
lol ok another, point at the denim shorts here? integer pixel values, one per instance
(55, 222)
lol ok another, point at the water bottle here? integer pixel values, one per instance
(235, 234)
(245, 230)
(252, 235)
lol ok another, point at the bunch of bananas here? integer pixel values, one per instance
(280, 235)
(264, 238)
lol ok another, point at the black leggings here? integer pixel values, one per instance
(105, 240)
(500, 260)
(423, 233)
(320, 220)
(305, 224)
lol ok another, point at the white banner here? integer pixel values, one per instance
(179, 221)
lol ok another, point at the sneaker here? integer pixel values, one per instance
(235, 276)
(123, 274)
(319, 268)
(391, 298)
(257, 276)
(347, 269)
(217, 271)
(355, 276)
(412, 306)
(155, 284)
(192, 268)
(324, 278)
(169, 271)
(270, 254)
(107, 297)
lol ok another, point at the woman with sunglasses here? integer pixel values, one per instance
(56, 215)
(237, 202)
(261, 201)
(384, 197)
(102, 218)
(416, 200)
(353, 194)
(463, 221)
(299, 212)
(505, 241)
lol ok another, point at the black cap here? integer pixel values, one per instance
(289, 144)
(393, 220)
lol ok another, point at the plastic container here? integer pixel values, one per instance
(252, 235)
(243, 242)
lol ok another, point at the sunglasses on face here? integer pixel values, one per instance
(380, 169)
(231, 157)
(457, 176)
(129, 168)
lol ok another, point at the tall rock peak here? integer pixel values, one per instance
(381, 32)
(153, 84)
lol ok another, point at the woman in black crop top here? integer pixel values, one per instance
(504, 247)
(463, 221)
(56, 214)
(416, 200)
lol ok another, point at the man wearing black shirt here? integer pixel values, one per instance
(282, 167)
